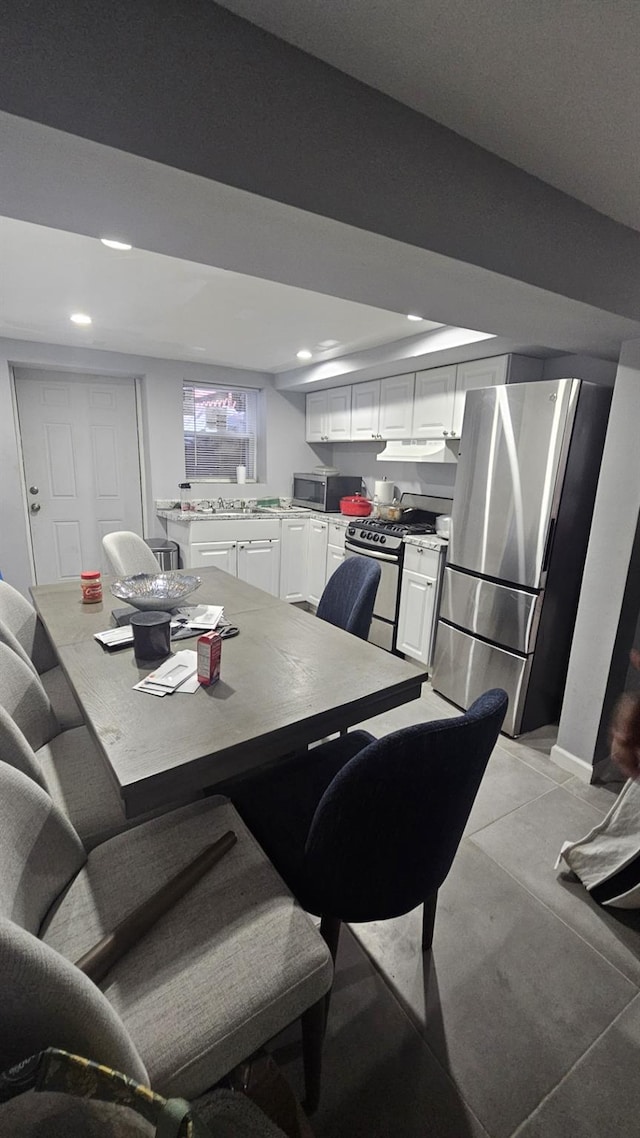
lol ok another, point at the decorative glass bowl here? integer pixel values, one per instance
(157, 592)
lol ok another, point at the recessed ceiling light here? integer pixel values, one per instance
(304, 354)
(326, 345)
(80, 318)
(111, 243)
(411, 317)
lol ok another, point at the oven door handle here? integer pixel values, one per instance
(371, 553)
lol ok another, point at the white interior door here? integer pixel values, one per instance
(81, 464)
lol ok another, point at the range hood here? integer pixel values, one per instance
(420, 450)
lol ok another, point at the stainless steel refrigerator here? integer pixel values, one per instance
(525, 487)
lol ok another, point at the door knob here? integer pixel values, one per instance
(34, 490)
(35, 506)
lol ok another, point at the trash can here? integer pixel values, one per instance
(165, 551)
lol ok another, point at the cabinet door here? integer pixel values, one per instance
(336, 534)
(433, 403)
(415, 621)
(293, 559)
(259, 564)
(220, 554)
(476, 373)
(396, 406)
(365, 410)
(335, 557)
(317, 403)
(339, 414)
(317, 561)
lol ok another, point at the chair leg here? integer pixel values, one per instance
(428, 920)
(313, 1025)
(330, 930)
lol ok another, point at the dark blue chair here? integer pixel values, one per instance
(349, 596)
(363, 829)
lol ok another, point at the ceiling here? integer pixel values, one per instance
(154, 305)
(552, 87)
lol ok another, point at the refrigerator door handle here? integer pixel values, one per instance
(547, 549)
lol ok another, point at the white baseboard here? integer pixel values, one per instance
(572, 763)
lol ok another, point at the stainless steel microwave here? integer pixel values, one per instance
(324, 491)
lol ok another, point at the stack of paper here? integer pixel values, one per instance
(178, 673)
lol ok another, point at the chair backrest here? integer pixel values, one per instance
(21, 619)
(129, 554)
(16, 751)
(47, 1002)
(40, 852)
(386, 830)
(24, 698)
(350, 594)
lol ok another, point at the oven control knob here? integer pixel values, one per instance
(351, 531)
(376, 537)
(382, 538)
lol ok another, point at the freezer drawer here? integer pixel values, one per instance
(500, 613)
(464, 668)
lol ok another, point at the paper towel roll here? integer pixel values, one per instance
(383, 492)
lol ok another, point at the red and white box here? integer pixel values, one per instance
(209, 649)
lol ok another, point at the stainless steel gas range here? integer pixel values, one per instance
(384, 541)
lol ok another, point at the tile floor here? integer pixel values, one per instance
(525, 1018)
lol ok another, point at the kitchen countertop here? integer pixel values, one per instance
(186, 517)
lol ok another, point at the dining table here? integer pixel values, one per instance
(287, 680)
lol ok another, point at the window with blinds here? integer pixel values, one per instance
(220, 431)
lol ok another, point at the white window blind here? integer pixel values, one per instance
(220, 431)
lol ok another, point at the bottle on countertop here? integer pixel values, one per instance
(91, 585)
(185, 496)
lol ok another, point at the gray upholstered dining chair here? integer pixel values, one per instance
(349, 596)
(234, 962)
(66, 763)
(22, 630)
(128, 554)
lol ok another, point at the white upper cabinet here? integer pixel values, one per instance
(476, 373)
(396, 407)
(317, 405)
(428, 404)
(329, 415)
(433, 403)
(339, 414)
(365, 410)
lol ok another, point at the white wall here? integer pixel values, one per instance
(605, 580)
(412, 477)
(283, 452)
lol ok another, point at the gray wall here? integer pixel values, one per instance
(283, 451)
(195, 87)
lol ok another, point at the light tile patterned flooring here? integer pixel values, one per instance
(525, 1018)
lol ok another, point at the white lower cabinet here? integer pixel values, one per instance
(417, 602)
(293, 559)
(317, 559)
(335, 557)
(259, 564)
(220, 554)
(335, 547)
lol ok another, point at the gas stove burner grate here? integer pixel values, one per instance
(400, 528)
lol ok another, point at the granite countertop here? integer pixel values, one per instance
(186, 517)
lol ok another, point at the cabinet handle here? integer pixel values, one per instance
(373, 436)
(420, 551)
(445, 432)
